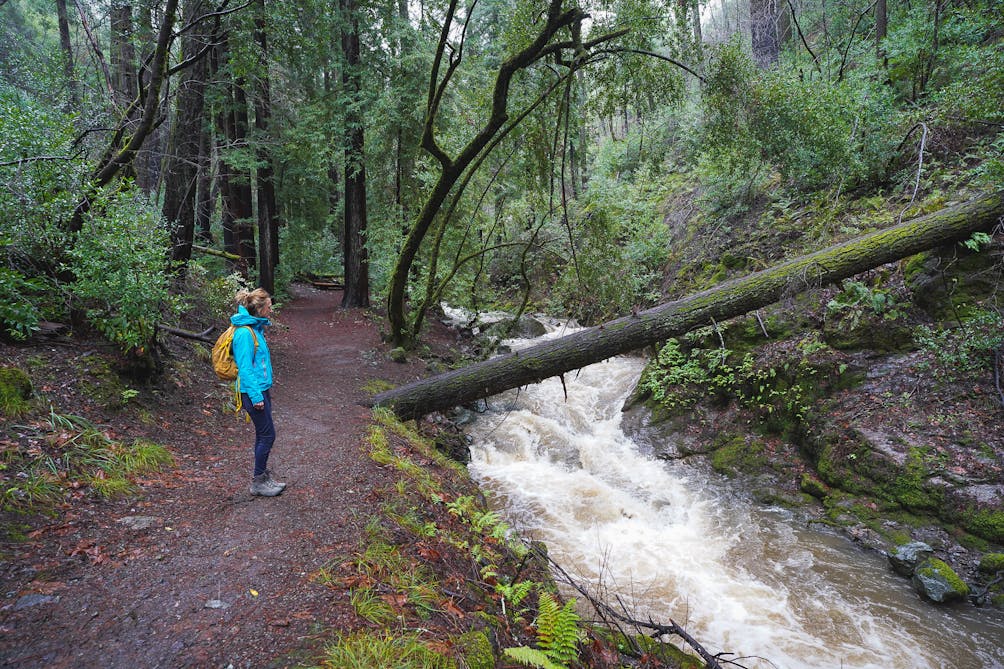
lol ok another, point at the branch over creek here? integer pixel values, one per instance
(724, 301)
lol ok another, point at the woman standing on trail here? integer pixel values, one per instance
(254, 379)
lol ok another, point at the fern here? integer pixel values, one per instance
(558, 629)
(531, 657)
(558, 636)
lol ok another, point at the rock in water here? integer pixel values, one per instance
(905, 558)
(936, 581)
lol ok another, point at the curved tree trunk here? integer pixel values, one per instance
(721, 302)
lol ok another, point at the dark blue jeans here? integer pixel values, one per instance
(264, 430)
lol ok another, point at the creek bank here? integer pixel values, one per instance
(871, 407)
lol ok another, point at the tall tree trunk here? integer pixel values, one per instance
(356, 258)
(204, 197)
(881, 29)
(727, 300)
(235, 184)
(147, 165)
(698, 34)
(268, 222)
(123, 65)
(182, 165)
(67, 47)
(123, 54)
(241, 204)
(763, 32)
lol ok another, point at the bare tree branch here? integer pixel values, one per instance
(86, 24)
(801, 36)
(33, 159)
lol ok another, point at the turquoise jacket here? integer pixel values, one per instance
(254, 366)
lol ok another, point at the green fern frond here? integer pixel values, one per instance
(531, 657)
(558, 631)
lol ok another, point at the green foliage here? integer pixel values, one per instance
(857, 300)
(365, 650)
(67, 453)
(781, 392)
(959, 351)
(558, 636)
(678, 378)
(369, 605)
(213, 295)
(37, 179)
(531, 657)
(122, 270)
(15, 391)
(19, 315)
(620, 240)
(813, 133)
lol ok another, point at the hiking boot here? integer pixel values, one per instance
(278, 484)
(260, 485)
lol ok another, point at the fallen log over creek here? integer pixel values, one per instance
(726, 300)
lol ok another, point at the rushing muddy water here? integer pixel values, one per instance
(673, 542)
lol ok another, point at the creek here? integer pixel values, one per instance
(676, 541)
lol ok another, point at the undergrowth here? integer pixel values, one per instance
(44, 462)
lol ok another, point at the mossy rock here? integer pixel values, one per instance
(15, 392)
(399, 354)
(986, 523)
(938, 582)
(476, 650)
(991, 563)
(813, 486)
(951, 280)
(101, 383)
(737, 455)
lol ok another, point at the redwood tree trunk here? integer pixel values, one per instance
(67, 48)
(182, 168)
(235, 184)
(268, 225)
(672, 319)
(356, 259)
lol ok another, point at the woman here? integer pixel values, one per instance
(254, 379)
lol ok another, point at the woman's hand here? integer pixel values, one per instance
(258, 406)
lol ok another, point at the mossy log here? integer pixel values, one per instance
(672, 319)
(215, 252)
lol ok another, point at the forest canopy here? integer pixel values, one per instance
(585, 159)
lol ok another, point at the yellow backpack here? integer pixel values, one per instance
(223, 353)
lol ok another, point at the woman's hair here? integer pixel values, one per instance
(253, 300)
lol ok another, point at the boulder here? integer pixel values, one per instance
(937, 582)
(905, 558)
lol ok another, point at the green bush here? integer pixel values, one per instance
(120, 261)
(19, 315)
(621, 244)
(958, 351)
(814, 134)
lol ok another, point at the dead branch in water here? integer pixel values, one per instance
(613, 617)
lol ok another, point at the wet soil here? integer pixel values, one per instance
(195, 572)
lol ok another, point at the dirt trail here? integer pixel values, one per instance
(102, 594)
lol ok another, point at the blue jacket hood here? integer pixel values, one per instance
(242, 317)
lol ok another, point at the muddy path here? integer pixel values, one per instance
(196, 572)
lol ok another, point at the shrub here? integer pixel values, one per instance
(813, 134)
(963, 350)
(122, 270)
